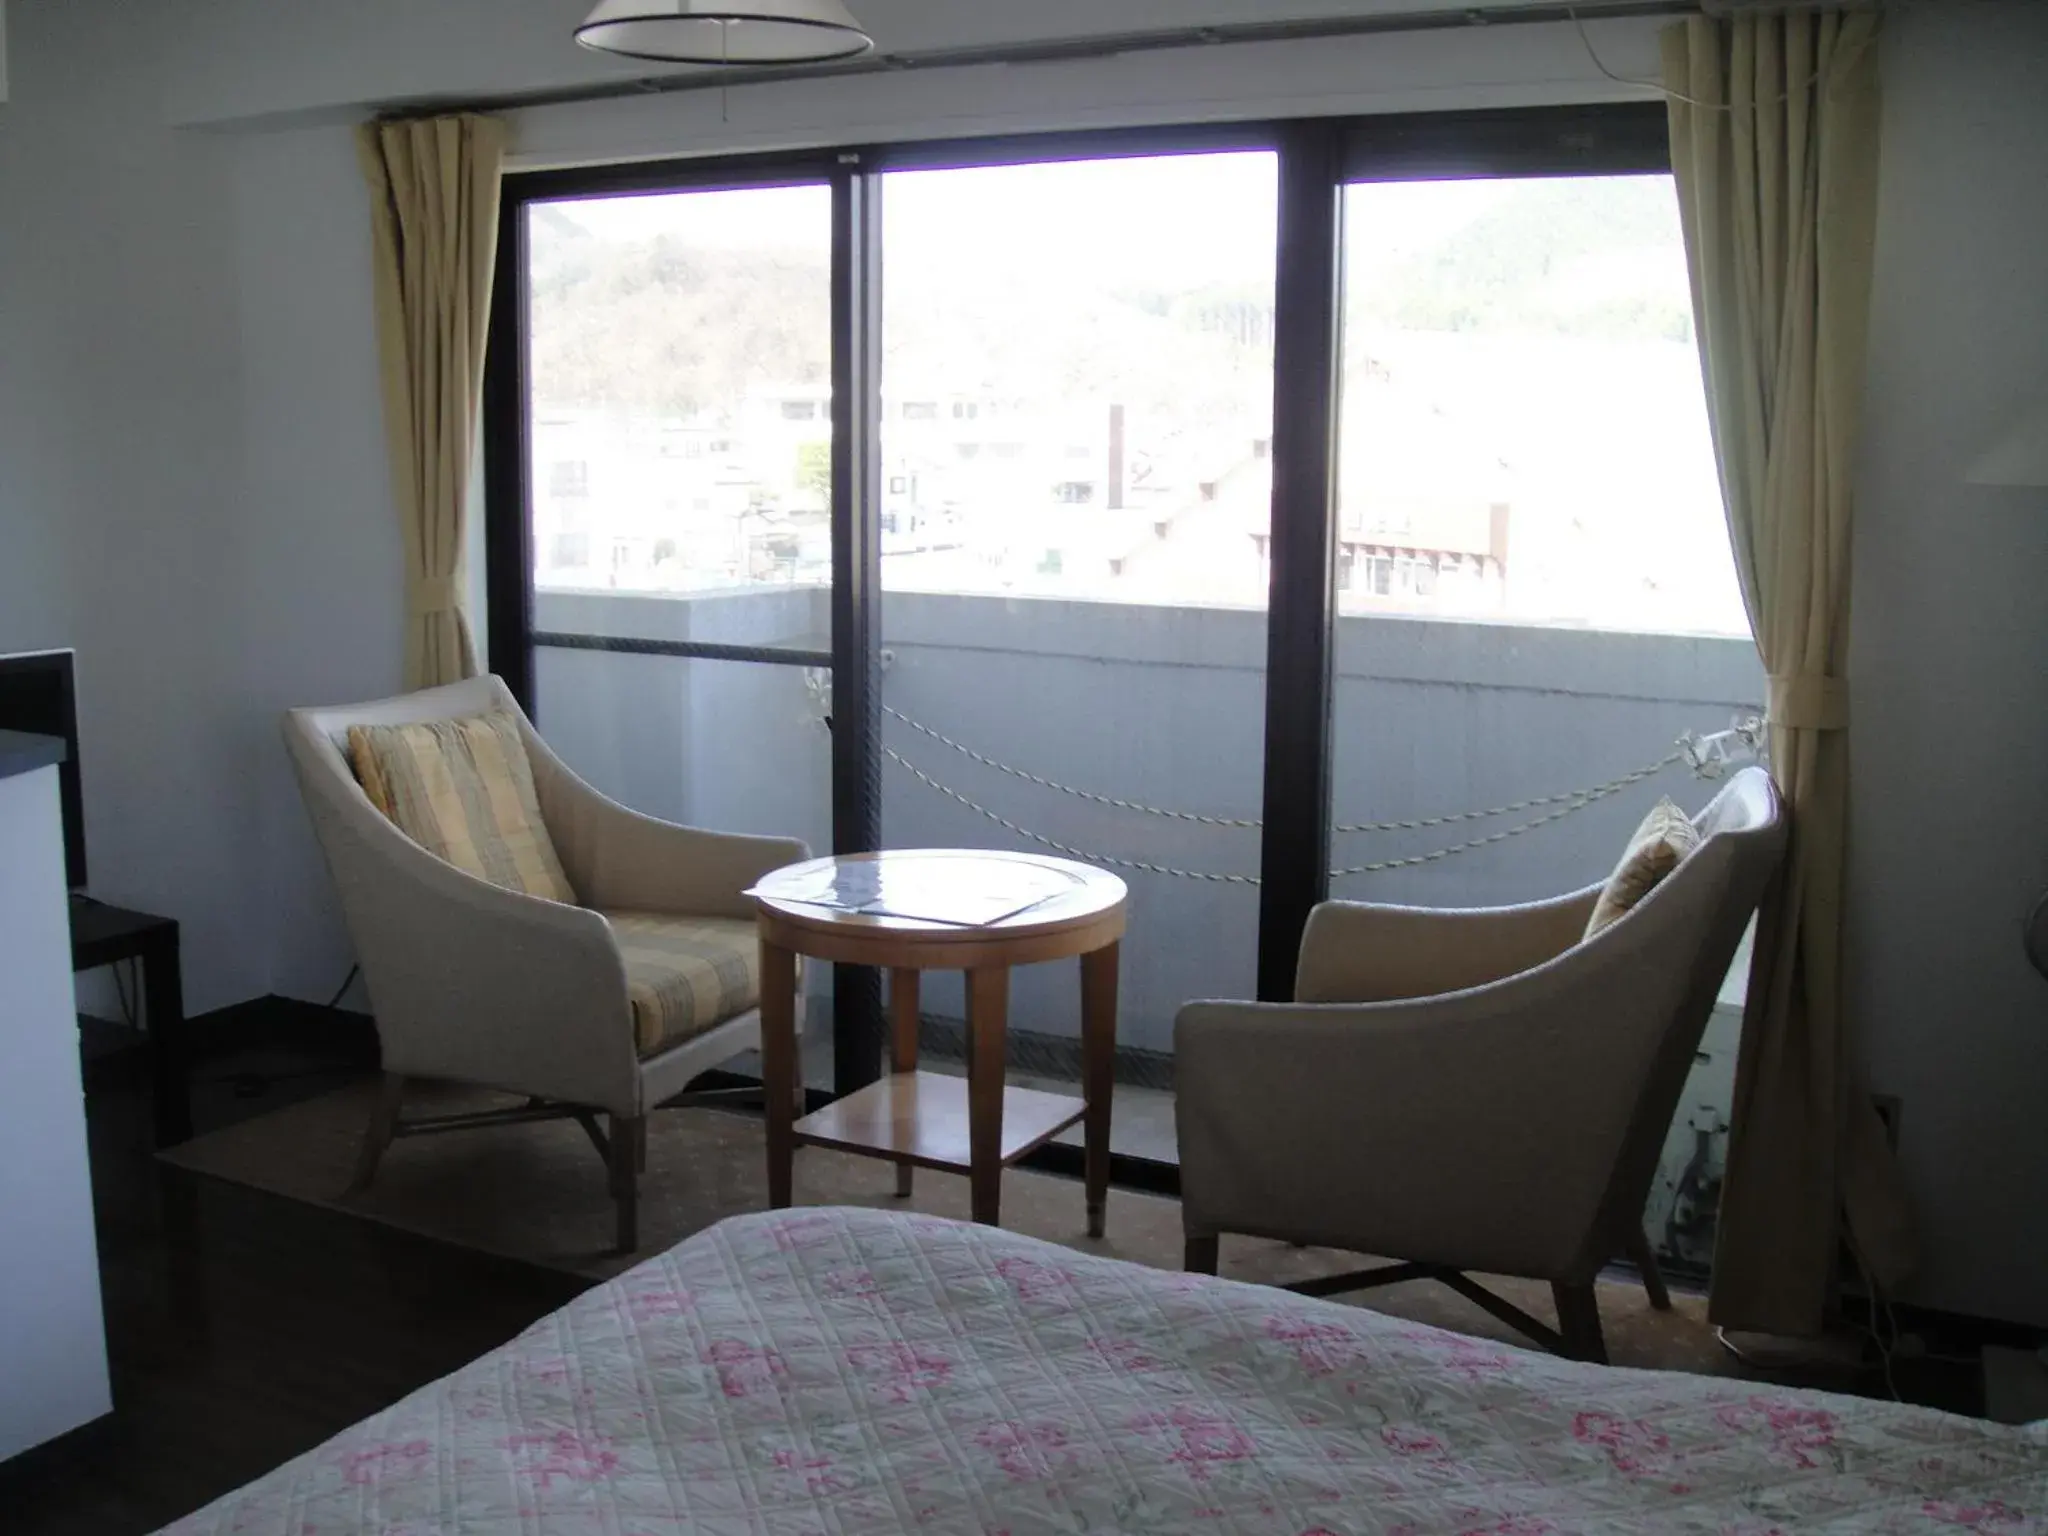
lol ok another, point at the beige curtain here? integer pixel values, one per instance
(1774, 139)
(434, 208)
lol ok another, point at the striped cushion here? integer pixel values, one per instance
(685, 974)
(463, 790)
(1659, 846)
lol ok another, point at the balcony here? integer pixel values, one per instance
(1163, 706)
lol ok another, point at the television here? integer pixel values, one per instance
(37, 694)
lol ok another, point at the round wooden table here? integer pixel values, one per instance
(926, 1119)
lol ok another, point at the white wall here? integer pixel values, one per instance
(1950, 659)
(318, 561)
(187, 405)
(123, 412)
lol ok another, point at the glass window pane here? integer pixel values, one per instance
(1077, 424)
(737, 746)
(1078, 384)
(681, 413)
(1524, 429)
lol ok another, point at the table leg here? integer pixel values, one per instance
(778, 1065)
(1098, 1071)
(170, 1064)
(903, 999)
(988, 1010)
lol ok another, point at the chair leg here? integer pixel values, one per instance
(378, 1134)
(1645, 1261)
(640, 1145)
(1578, 1320)
(625, 1169)
(1201, 1255)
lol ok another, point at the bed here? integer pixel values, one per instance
(855, 1371)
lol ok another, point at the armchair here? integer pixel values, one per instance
(1475, 1090)
(476, 984)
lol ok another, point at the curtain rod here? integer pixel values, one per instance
(1071, 50)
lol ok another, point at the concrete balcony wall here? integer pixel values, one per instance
(736, 746)
(1165, 706)
(1435, 718)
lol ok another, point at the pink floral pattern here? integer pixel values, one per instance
(1198, 1439)
(1799, 1432)
(1321, 1347)
(377, 1464)
(1029, 1452)
(1636, 1448)
(745, 1370)
(899, 1372)
(1033, 1279)
(564, 1454)
(1993, 1515)
(865, 1373)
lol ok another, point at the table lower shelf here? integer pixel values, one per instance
(921, 1118)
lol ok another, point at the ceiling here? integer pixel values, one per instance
(241, 60)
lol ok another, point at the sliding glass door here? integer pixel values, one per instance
(1077, 398)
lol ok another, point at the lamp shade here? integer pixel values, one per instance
(725, 31)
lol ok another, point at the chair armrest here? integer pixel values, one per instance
(1355, 952)
(479, 984)
(622, 861)
(1478, 1130)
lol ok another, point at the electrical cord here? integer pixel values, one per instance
(1820, 74)
(122, 981)
(347, 981)
(1884, 1338)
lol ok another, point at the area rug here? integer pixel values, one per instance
(538, 1193)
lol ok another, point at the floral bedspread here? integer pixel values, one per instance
(852, 1372)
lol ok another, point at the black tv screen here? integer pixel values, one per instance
(37, 695)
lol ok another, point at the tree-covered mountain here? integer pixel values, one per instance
(1599, 259)
(665, 325)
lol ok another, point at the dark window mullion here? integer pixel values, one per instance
(1295, 851)
(507, 429)
(856, 586)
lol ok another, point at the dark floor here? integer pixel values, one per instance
(244, 1329)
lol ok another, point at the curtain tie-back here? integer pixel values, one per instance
(435, 594)
(1809, 701)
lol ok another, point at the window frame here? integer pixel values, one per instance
(1318, 158)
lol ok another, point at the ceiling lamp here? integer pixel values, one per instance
(725, 31)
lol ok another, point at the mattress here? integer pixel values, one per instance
(854, 1371)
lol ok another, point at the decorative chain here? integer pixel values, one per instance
(1571, 801)
(1073, 853)
(1066, 789)
(1575, 803)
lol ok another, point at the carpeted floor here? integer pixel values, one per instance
(537, 1192)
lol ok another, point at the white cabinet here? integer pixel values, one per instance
(53, 1353)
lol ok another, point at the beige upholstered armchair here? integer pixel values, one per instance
(1471, 1090)
(597, 1007)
